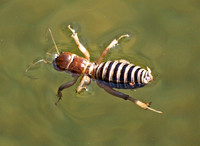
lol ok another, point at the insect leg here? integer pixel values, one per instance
(85, 80)
(112, 44)
(123, 61)
(126, 97)
(64, 86)
(80, 46)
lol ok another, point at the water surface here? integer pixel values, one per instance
(164, 36)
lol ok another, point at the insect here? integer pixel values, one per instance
(118, 74)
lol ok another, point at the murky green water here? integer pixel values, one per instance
(164, 36)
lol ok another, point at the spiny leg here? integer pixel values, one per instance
(80, 46)
(126, 97)
(84, 80)
(112, 44)
(64, 86)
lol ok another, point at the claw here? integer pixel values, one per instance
(59, 98)
(148, 103)
(79, 89)
(72, 30)
(122, 36)
(146, 106)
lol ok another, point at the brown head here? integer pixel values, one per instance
(62, 61)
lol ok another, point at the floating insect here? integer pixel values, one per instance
(118, 74)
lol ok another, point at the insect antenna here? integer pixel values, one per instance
(30, 66)
(41, 60)
(54, 41)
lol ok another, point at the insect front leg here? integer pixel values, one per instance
(80, 46)
(112, 44)
(126, 97)
(85, 80)
(64, 86)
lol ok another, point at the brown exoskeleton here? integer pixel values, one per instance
(108, 75)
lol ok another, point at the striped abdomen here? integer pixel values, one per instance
(120, 75)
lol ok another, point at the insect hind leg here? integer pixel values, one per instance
(127, 97)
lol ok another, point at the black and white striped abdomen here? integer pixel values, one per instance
(120, 74)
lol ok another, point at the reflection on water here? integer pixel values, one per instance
(164, 36)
